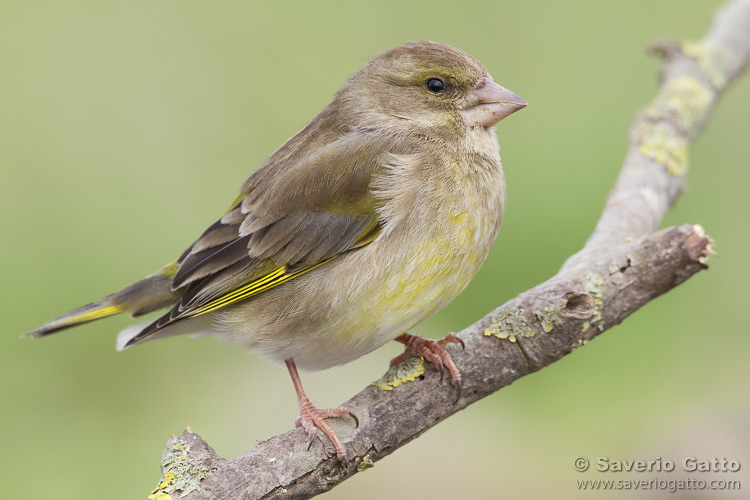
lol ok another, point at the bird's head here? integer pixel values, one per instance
(429, 85)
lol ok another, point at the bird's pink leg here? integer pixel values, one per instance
(311, 418)
(433, 351)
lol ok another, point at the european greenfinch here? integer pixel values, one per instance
(371, 218)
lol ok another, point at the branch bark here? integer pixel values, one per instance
(623, 265)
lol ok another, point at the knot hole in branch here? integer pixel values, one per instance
(578, 305)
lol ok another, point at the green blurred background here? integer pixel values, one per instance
(127, 127)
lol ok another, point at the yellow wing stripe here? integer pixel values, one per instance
(235, 202)
(270, 280)
(249, 288)
(91, 315)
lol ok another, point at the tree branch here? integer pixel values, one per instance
(623, 265)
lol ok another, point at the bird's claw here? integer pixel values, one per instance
(434, 352)
(311, 419)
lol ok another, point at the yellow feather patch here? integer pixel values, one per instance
(278, 276)
(369, 235)
(270, 280)
(170, 270)
(92, 315)
(235, 202)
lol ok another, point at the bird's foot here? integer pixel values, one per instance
(433, 351)
(311, 419)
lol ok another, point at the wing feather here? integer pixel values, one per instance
(295, 216)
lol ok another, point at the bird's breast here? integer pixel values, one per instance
(447, 226)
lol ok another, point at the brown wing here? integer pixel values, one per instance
(294, 217)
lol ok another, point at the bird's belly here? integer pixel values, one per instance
(428, 277)
(361, 300)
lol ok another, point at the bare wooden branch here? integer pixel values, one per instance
(623, 266)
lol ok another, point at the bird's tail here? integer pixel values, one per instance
(151, 293)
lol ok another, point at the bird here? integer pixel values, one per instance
(371, 218)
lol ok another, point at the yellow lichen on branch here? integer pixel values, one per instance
(713, 58)
(509, 325)
(404, 372)
(180, 473)
(680, 107)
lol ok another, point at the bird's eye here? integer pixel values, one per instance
(435, 85)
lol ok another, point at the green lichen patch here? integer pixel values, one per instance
(180, 473)
(509, 325)
(684, 101)
(365, 464)
(594, 287)
(547, 318)
(660, 143)
(401, 373)
(713, 58)
(677, 111)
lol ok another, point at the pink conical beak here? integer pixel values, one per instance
(490, 103)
